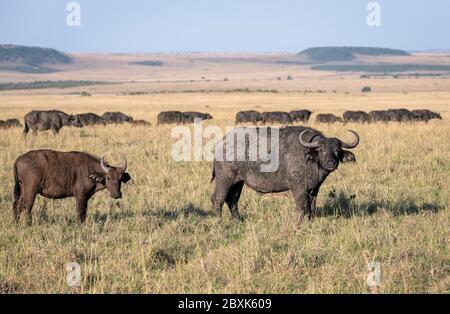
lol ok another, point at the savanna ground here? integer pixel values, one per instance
(392, 206)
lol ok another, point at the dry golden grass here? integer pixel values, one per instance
(392, 206)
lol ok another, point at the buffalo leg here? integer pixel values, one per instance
(232, 199)
(28, 203)
(82, 202)
(55, 131)
(17, 209)
(312, 206)
(312, 199)
(219, 196)
(302, 202)
(25, 130)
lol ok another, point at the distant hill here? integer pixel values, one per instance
(49, 84)
(331, 54)
(30, 59)
(382, 68)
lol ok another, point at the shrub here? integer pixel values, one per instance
(366, 89)
(152, 63)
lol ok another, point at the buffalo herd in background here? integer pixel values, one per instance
(391, 115)
(54, 120)
(10, 123)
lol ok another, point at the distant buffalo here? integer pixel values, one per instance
(178, 117)
(400, 115)
(49, 120)
(88, 119)
(356, 116)
(57, 175)
(190, 116)
(300, 115)
(141, 123)
(425, 115)
(10, 123)
(328, 118)
(250, 116)
(277, 117)
(116, 118)
(379, 116)
(170, 117)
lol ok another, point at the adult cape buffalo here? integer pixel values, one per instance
(328, 118)
(306, 158)
(57, 175)
(178, 117)
(88, 119)
(356, 116)
(400, 115)
(190, 116)
(170, 117)
(425, 115)
(116, 118)
(10, 123)
(379, 116)
(300, 115)
(49, 120)
(277, 117)
(251, 116)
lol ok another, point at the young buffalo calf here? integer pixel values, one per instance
(57, 175)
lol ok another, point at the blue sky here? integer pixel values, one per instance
(226, 25)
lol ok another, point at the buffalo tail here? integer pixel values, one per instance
(213, 176)
(26, 128)
(16, 187)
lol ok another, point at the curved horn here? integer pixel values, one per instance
(307, 144)
(125, 164)
(104, 166)
(351, 145)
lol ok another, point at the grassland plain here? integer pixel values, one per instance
(392, 206)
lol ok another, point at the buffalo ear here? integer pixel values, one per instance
(125, 177)
(348, 156)
(97, 177)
